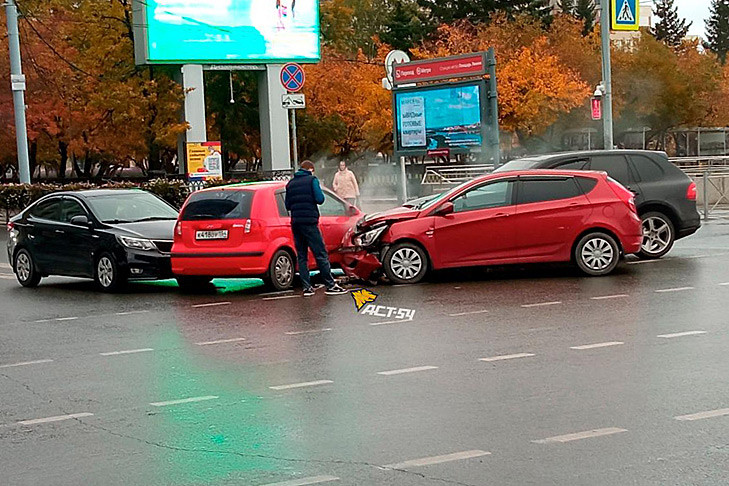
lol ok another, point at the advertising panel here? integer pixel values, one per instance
(439, 117)
(204, 161)
(227, 31)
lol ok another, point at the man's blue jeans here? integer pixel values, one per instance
(308, 236)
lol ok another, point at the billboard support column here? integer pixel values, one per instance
(493, 96)
(275, 142)
(193, 84)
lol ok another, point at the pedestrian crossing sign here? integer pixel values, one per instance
(625, 14)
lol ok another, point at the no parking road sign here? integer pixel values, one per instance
(292, 77)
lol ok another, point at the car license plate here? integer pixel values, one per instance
(212, 235)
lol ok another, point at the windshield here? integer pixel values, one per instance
(127, 207)
(220, 204)
(518, 164)
(439, 197)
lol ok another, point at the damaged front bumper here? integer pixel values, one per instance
(360, 263)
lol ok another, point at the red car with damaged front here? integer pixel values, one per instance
(513, 217)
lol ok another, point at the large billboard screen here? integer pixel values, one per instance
(439, 117)
(228, 31)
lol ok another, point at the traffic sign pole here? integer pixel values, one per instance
(295, 152)
(18, 88)
(607, 106)
(292, 79)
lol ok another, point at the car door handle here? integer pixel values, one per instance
(501, 215)
(61, 232)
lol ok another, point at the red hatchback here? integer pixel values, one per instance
(504, 218)
(244, 230)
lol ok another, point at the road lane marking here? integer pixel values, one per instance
(542, 304)
(680, 334)
(65, 318)
(310, 331)
(211, 304)
(126, 351)
(184, 400)
(427, 461)
(407, 370)
(301, 385)
(606, 297)
(221, 341)
(385, 323)
(704, 415)
(7, 277)
(41, 320)
(129, 313)
(283, 297)
(280, 292)
(57, 418)
(305, 481)
(468, 313)
(580, 435)
(647, 261)
(676, 289)
(724, 284)
(6, 265)
(26, 363)
(507, 356)
(597, 345)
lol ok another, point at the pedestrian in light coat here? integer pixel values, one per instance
(345, 184)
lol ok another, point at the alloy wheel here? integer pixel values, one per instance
(105, 271)
(597, 254)
(283, 270)
(23, 267)
(656, 235)
(406, 263)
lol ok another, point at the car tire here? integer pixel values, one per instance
(192, 283)
(281, 271)
(597, 254)
(25, 269)
(658, 235)
(108, 275)
(405, 263)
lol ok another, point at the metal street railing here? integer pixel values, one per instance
(452, 176)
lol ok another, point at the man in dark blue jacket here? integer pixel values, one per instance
(303, 197)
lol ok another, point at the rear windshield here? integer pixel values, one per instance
(222, 204)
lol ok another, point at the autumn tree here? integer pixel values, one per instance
(670, 28)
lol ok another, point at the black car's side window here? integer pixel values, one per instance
(71, 208)
(493, 195)
(615, 165)
(49, 209)
(552, 189)
(572, 165)
(647, 170)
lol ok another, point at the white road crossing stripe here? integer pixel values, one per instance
(389, 322)
(311, 331)
(57, 418)
(211, 304)
(677, 289)
(597, 345)
(305, 481)
(221, 341)
(605, 297)
(66, 318)
(407, 370)
(468, 313)
(301, 385)
(427, 461)
(282, 297)
(129, 313)
(580, 435)
(184, 400)
(507, 356)
(680, 334)
(541, 304)
(26, 363)
(127, 351)
(704, 415)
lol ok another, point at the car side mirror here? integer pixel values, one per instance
(80, 220)
(445, 209)
(352, 210)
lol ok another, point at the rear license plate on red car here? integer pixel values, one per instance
(211, 235)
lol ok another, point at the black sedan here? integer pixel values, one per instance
(109, 235)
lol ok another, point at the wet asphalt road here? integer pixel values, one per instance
(510, 376)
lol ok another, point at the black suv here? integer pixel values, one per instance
(664, 195)
(110, 235)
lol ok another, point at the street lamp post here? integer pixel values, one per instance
(606, 74)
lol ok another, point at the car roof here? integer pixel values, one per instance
(97, 192)
(248, 186)
(540, 173)
(588, 153)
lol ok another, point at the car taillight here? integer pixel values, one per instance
(691, 192)
(625, 195)
(178, 228)
(632, 206)
(247, 228)
(11, 226)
